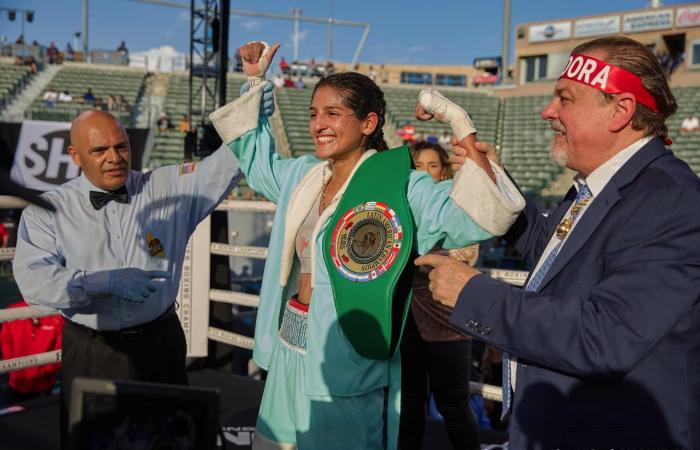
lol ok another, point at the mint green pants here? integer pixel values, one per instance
(290, 419)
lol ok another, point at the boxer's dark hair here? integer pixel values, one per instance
(362, 96)
(634, 57)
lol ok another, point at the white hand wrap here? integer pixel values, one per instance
(446, 111)
(263, 64)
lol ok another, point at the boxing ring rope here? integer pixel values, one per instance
(489, 392)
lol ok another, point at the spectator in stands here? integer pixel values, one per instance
(383, 74)
(123, 52)
(69, 53)
(689, 125)
(110, 258)
(20, 40)
(124, 105)
(330, 68)
(608, 325)
(432, 139)
(24, 337)
(407, 133)
(444, 140)
(435, 357)
(88, 96)
(320, 391)
(184, 125)
(284, 66)
(52, 53)
(65, 97)
(418, 137)
(278, 81)
(31, 62)
(371, 73)
(288, 82)
(4, 236)
(664, 60)
(163, 123)
(112, 104)
(98, 105)
(300, 84)
(676, 61)
(50, 97)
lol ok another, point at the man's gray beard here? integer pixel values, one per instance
(559, 155)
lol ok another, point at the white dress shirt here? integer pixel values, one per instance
(596, 181)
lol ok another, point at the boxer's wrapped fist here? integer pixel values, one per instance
(256, 58)
(432, 104)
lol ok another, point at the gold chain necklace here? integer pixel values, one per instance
(324, 204)
(565, 226)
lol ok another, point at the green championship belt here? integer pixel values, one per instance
(368, 254)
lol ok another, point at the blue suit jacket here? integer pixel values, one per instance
(609, 346)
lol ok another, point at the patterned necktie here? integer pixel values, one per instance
(100, 199)
(582, 198)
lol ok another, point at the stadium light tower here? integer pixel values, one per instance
(204, 64)
(300, 18)
(86, 49)
(296, 12)
(505, 48)
(25, 14)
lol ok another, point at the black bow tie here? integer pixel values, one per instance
(100, 199)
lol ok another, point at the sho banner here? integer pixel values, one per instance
(41, 160)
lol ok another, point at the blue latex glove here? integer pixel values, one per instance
(267, 102)
(134, 285)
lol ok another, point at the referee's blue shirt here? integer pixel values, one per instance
(63, 258)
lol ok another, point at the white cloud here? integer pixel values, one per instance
(417, 48)
(161, 59)
(383, 47)
(250, 25)
(303, 37)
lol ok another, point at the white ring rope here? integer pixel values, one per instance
(25, 362)
(234, 298)
(24, 312)
(247, 251)
(7, 253)
(227, 337)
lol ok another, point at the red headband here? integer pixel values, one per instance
(606, 78)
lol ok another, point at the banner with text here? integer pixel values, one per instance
(41, 160)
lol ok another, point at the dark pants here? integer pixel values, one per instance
(154, 352)
(443, 369)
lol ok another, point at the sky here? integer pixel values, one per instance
(402, 31)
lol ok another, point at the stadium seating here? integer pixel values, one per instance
(12, 78)
(103, 82)
(168, 147)
(483, 109)
(294, 112)
(524, 143)
(686, 147)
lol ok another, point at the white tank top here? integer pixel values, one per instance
(304, 236)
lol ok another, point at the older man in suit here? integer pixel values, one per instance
(604, 338)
